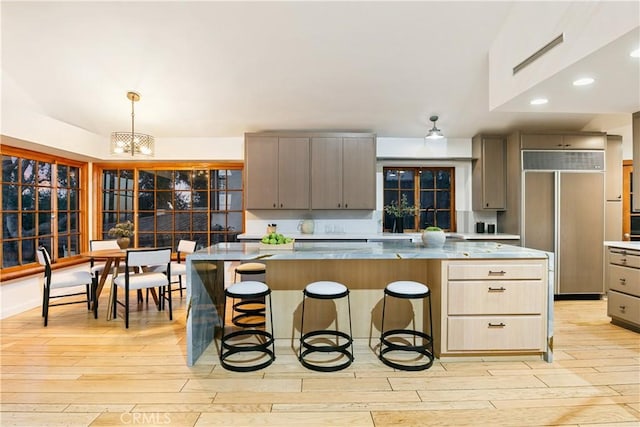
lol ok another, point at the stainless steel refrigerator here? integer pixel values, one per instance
(563, 213)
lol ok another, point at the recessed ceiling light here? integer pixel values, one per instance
(635, 53)
(583, 82)
(539, 101)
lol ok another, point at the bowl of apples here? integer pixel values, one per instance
(276, 241)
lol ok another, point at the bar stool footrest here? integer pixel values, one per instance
(387, 346)
(229, 350)
(327, 348)
(384, 340)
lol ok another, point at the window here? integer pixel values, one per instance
(42, 198)
(201, 203)
(430, 189)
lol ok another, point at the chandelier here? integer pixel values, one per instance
(434, 132)
(131, 142)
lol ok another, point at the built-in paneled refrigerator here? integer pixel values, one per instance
(563, 213)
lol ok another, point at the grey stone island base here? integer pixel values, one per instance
(488, 299)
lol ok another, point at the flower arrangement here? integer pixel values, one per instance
(400, 210)
(122, 229)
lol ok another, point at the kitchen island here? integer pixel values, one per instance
(488, 299)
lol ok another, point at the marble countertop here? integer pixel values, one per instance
(624, 245)
(382, 236)
(362, 250)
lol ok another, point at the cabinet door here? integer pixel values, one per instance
(293, 173)
(359, 173)
(541, 141)
(635, 126)
(613, 177)
(539, 211)
(584, 142)
(581, 233)
(489, 175)
(261, 172)
(562, 142)
(326, 173)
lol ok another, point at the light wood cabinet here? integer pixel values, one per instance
(343, 172)
(613, 175)
(276, 172)
(635, 126)
(489, 188)
(494, 307)
(623, 282)
(563, 141)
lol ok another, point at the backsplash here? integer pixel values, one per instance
(343, 221)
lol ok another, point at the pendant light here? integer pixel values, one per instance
(131, 142)
(434, 132)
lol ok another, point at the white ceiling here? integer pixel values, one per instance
(218, 69)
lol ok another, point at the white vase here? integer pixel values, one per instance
(433, 239)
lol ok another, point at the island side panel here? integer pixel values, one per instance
(205, 296)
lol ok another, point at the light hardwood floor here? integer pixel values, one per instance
(79, 371)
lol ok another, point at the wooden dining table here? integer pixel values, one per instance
(112, 259)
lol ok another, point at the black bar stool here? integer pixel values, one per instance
(251, 310)
(325, 341)
(395, 339)
(258, 338)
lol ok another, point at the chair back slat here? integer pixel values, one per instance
(43, 256)
(148, 257)
(186, 246)
(45, 260)
(98, 245)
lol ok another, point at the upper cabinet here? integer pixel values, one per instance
(343, 172)
(636, 159)
(310, 170)
(277, 172)
(563, 141)
(613, 176)
(489, 188)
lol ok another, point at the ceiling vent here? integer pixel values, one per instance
(537, 54)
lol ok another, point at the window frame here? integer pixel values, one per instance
(60, 261)
(412, 223)
(139, 166)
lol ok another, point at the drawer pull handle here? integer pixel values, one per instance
(623, 260)
(623, 308)
(497, 325)
(500, 289)
(623, 281)
(501, 272)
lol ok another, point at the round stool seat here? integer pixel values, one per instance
(326, 289)
(407, 289)
(251, 268)
(247, 289)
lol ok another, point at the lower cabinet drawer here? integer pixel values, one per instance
(497, 333)
(624, 307)
(623, 279)
(496, 297)
(491, 270)
(624, 257)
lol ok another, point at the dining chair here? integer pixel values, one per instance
(179, 268)
(69, 280)
(136, 277)
(99, 245)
